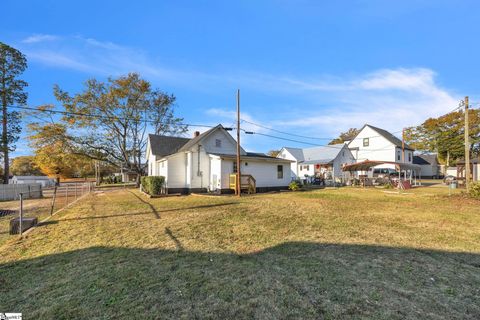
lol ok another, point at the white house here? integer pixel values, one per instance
(309, 162)
(474, 169)
(429, 165)
(376, 144)
(43, 180)
(207, 161)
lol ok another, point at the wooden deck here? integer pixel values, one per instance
(247, 183)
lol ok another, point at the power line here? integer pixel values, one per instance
(318, 138)
(286, 133)
(304, 142)
(110, 118)
(100, 117)
(307, 137)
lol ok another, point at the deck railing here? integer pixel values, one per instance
(247, 183)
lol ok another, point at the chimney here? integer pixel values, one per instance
(196, 134)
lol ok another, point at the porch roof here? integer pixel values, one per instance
(367, 164)
(322, 161)
(472, 161)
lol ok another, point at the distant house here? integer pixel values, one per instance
(43, 180)
(429, 165)
(126, 175)
(474, 169)
(207, 162)
(309, 162)
(372, 143)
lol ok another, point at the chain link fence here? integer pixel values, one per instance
(34, 211)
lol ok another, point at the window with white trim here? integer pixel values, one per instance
(366, 142)
(280, 171)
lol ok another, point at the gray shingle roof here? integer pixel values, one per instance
(419, 160)
(296, 152)
(165, 145)
(314, 155)
(193, 141)
(31, 177)
(431, 158)
(390, 137)
(323, 154)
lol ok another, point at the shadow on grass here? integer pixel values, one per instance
(47, 223)
(177, 242)
(154, 210)
(291, 280)
(157, 213)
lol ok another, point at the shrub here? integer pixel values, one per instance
(475, 190)
(152, 185)
(294, 186)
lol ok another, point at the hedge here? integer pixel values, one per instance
(475, 190)
(152, 185)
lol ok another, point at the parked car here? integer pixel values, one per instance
(384, 173)
(449, 179)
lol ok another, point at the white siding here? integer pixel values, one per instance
(408, 155)
(151, 165)
(176, 171)
(215, 173)
(451, 171)
(151, 159)
(294, 169)
(162, 168)
(228, 145)
(426, 170)
(304, 169)
(264, 172)
(226, 171)
(200, 173)
(379, 148)
(345, 156)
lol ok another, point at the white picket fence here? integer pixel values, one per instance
(12, 191)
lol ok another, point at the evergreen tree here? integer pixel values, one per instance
(12, 64)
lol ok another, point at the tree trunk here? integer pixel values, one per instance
(6, 166)
(137, 181)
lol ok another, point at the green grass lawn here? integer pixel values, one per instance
(325, 254)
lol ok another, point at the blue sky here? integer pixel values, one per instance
(314, 68)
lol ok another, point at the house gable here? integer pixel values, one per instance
(373, 143)
(216, 140)
(344, 153)
(294, 154)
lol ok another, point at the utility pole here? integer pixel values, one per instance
(403, 145)
(467, 147)
(239, 177)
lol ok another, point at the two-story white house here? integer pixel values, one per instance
(376, 144)
(309, 162)
(206, 162)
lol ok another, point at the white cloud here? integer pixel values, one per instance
(323, 105)
(36, 38)
(103, 58)
(60, 60)
(389, 98)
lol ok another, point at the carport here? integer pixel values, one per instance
(410, 172)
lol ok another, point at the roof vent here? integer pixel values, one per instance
(196, 134)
